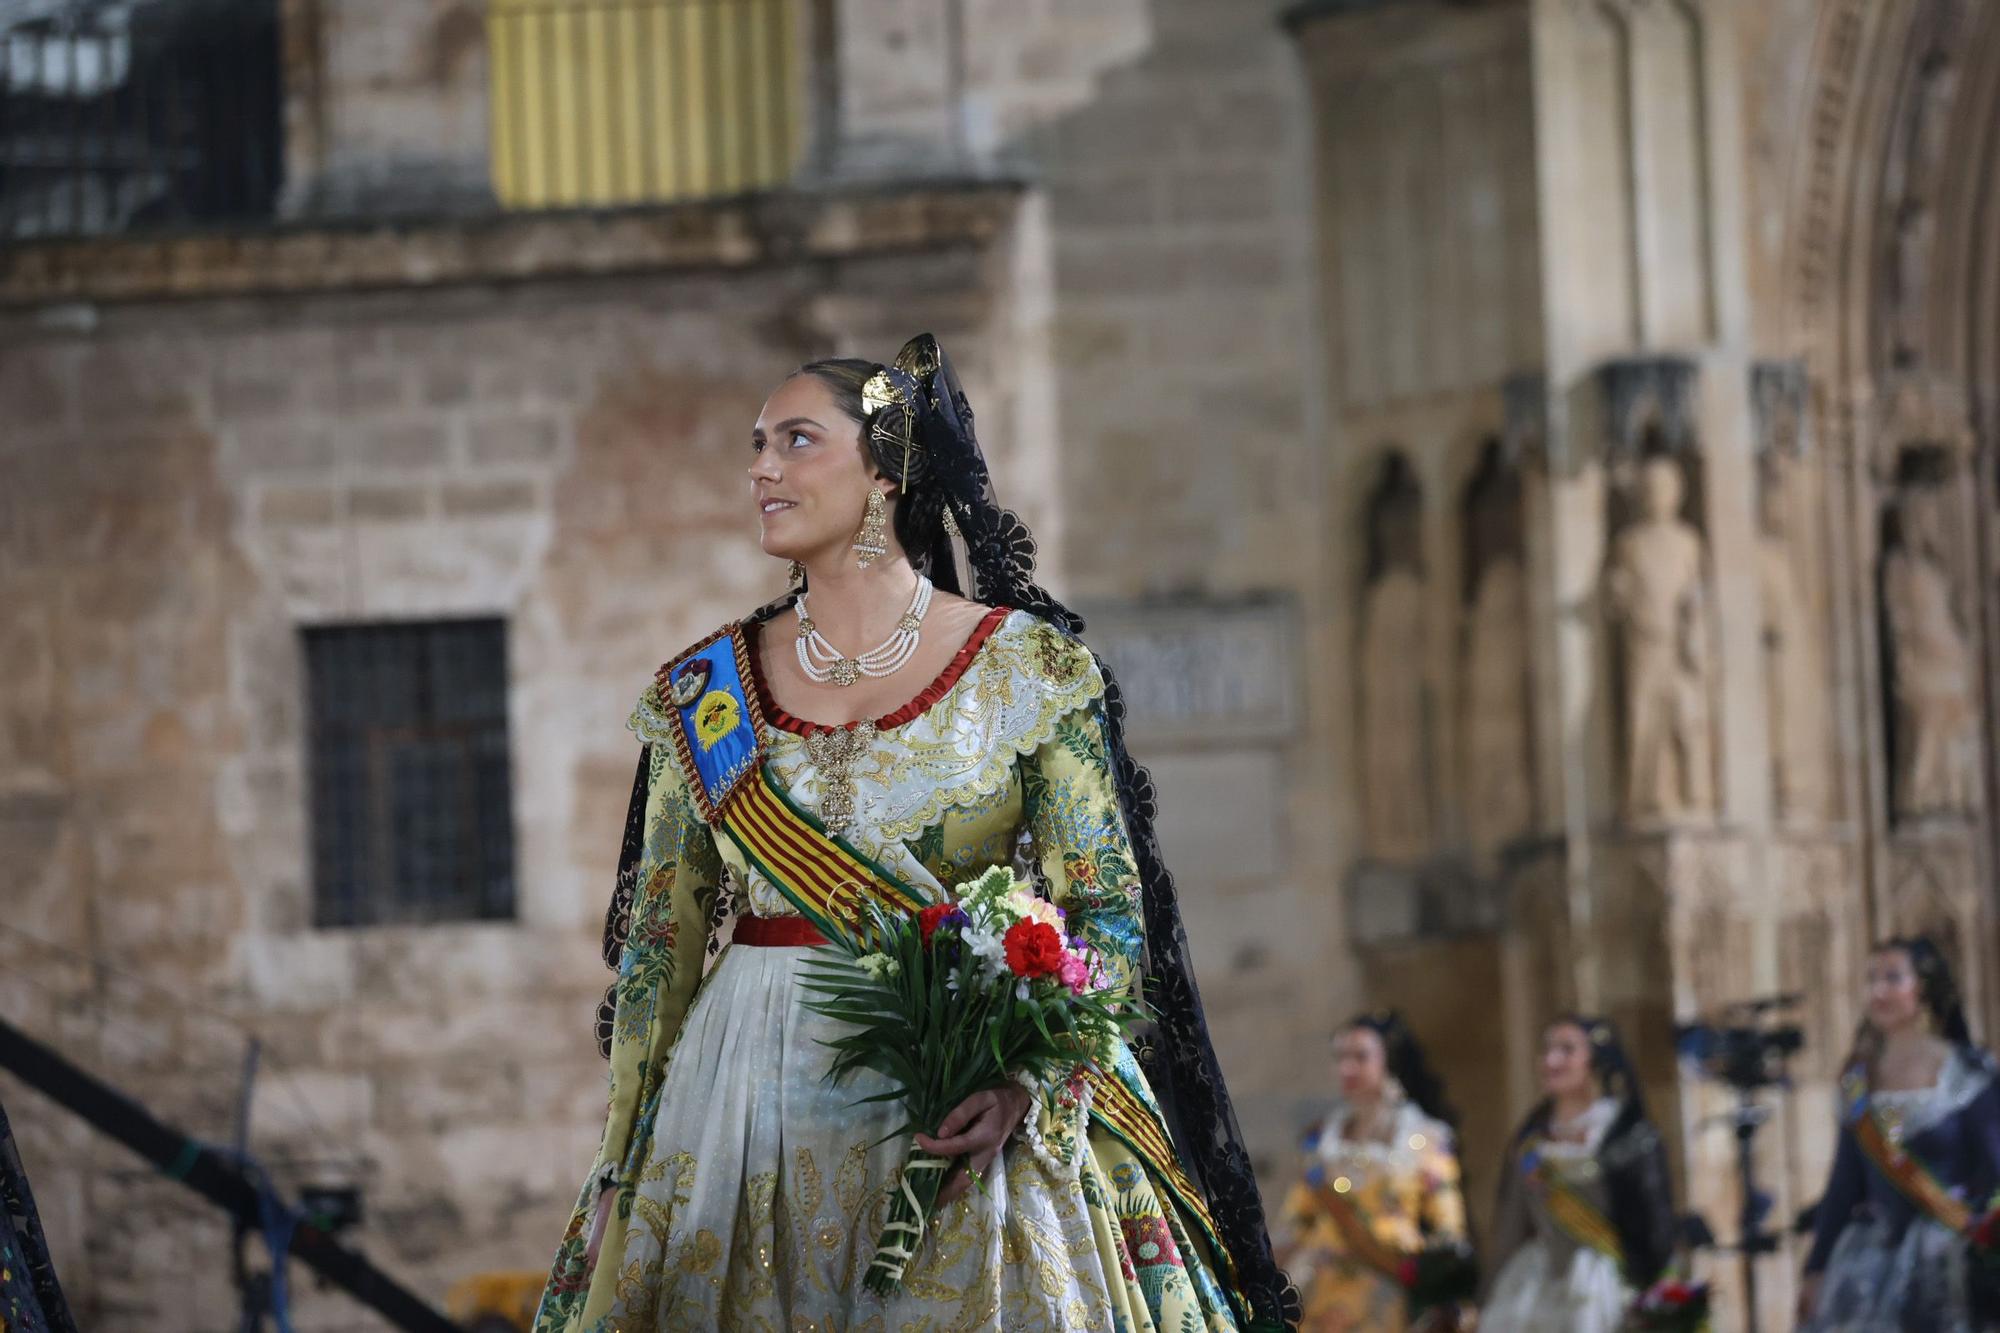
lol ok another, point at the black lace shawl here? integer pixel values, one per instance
(948, 476)
(30, 1299)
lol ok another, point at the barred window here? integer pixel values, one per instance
(137, 115)
(411, 798)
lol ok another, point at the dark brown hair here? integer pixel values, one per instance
(1406, 1062)
(1609, 1061)
(844, 376)
(1935, 984)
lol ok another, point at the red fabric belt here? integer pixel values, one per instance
(777, 932)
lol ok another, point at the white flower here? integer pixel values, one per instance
(987, 947)
(985, 899)
(879, 965)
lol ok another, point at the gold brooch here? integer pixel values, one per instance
(834, 752)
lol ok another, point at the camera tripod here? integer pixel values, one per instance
(1753, 1239)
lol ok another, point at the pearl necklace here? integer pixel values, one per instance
(822, 662)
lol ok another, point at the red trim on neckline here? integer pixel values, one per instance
(909, 712)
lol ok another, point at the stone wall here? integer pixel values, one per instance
(386, 107)
(1187, 395)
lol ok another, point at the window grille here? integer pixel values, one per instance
(135, 115)
(411, 797)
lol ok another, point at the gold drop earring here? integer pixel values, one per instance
(796, 572)
(872, 542)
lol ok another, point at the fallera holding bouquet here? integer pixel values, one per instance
(914, 713)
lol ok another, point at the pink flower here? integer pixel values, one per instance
(1042, 910)
(1073, 972)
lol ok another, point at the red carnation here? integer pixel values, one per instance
(1676, 1293)
(1406, 1272)
(1033, 949)
(929, 919)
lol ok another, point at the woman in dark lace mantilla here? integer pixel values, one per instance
(921, 727)
(1586, 1216)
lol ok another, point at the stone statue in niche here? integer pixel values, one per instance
(1394, 717)
(1931, 671)
(1793, 695)
(1655, 587)
(1499, 786)
(1495, 771)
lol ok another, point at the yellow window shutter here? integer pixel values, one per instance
(600, 103)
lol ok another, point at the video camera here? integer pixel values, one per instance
(1747, 1045)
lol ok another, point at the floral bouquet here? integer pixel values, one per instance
(951, 1001)
(1440, 1277)
(1670, 1306)
(1983, 1238)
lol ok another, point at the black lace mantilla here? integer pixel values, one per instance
(618, 914)
(1174, 1050)
(31, 1301)
(1179, 1061)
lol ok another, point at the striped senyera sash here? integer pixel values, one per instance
(1915, 1181)
(1572, 1212)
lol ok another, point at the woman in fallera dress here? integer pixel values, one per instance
(1586, 1217)
(876, 722)
(1917, 1163)
(1380, 1182)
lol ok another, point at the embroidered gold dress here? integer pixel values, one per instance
(750, 1192)
(1404, 1189)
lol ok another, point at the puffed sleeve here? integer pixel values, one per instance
(1442, 1204)
(1292, 1232)
(1071, 805)
(1983, 1119)
(656, 934)
(1836, 1207)
(677, 879)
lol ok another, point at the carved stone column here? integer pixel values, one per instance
(1811, 863)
